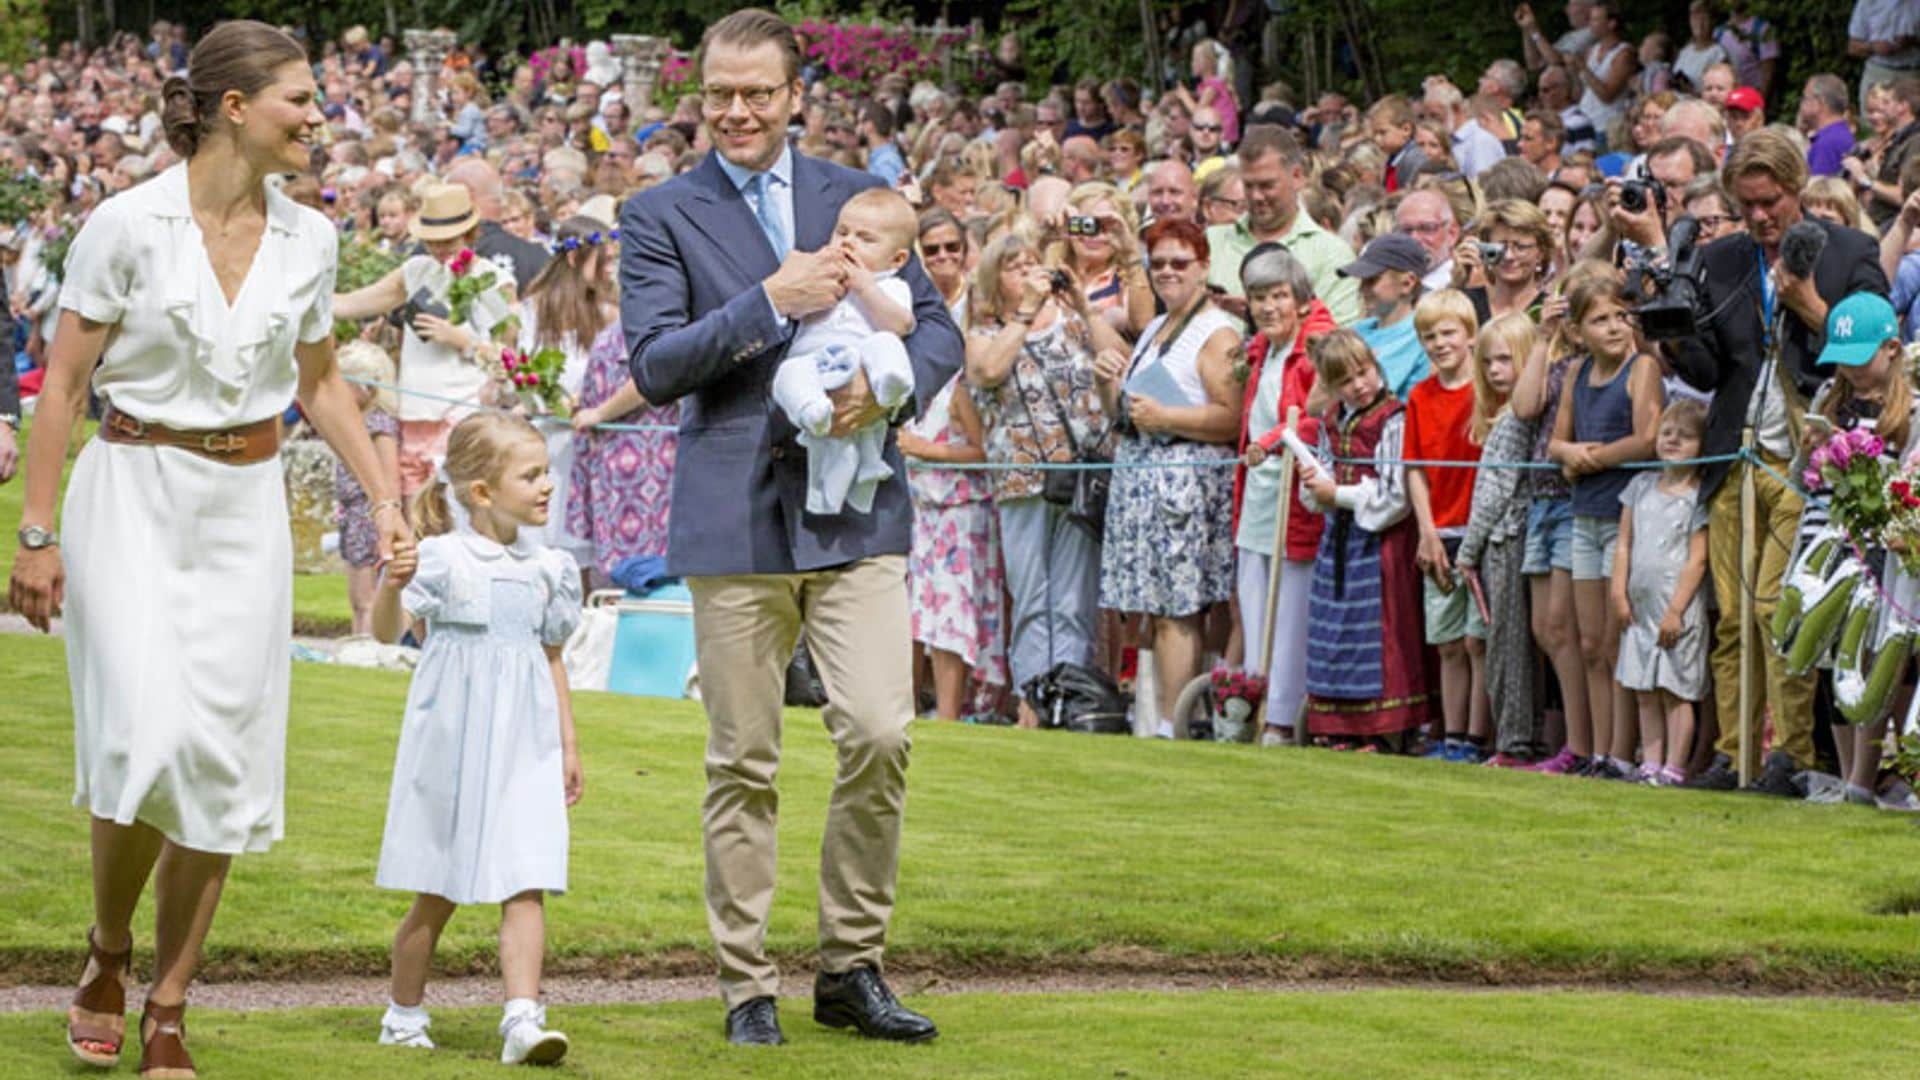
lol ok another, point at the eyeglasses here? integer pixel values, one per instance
(1424, 228)
(952, 247)
(1206, 127)
(720, 98)
(1173, 263)
(1715, 221)
(1231, 204)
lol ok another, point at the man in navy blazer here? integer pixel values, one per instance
(716, 269)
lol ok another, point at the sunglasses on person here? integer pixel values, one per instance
(1173, 263)
(1207, 127)
(951, 247)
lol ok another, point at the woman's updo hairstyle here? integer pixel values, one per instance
(240, 55)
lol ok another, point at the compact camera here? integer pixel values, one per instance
(1491, 253)
(1083, 225)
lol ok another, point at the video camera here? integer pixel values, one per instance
(1666, 293)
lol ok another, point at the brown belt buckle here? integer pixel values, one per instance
(223, 442)
(129, 426)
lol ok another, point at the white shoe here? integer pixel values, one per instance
(528, 1042)
(410, 1032)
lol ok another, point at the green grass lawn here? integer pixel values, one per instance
(320, 603)
(1375, 1034)
(1035, 849)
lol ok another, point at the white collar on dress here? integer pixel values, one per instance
(526, 544)
(168, 198)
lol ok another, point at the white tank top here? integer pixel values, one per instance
(1182, 356)
(1600, 112)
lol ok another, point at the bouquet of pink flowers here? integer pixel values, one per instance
(536, 377)
(1849, 465)
(1236, 697)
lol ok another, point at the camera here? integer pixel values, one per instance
(1082, 225)
(1061, 282)
(1637, 195)
(1491, 253)
(1666, 296)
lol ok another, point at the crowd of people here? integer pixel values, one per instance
(1508, 427)
(1434, 277)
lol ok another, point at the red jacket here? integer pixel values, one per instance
(1303, 525)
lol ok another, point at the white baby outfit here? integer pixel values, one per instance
(827, 349)
(478, 808)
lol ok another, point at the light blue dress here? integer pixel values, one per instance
(478, 810)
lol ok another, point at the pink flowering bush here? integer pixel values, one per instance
(862, 54)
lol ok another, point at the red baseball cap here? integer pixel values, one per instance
(1745, 99)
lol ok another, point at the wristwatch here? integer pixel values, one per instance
(12, 420)
(33, 538)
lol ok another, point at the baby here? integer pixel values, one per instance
(862, 332)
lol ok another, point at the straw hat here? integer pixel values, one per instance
(446, 212)
(602, 209)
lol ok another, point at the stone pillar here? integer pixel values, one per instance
(641, 56)
(427, 51)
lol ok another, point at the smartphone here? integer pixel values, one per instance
(1820, 423)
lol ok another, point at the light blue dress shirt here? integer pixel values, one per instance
(780, 188)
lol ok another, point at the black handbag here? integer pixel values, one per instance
(1074, 697)
(1082, 491)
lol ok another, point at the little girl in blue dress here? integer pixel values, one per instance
(487, 763)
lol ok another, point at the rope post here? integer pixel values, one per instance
(1747, 563)
(1285, 500)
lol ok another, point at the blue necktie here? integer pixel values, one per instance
(760, 194)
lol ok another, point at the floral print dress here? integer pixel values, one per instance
(622, 480)
(953, 573)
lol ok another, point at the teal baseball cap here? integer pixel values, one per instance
(1857, 327)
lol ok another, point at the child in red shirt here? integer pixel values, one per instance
(1439, 413)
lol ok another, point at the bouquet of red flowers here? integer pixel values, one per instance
(467, 285)
(1236, 698)
(536, 378)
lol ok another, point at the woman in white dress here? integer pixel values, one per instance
(204, 296)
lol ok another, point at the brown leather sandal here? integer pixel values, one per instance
(97, 1019)
(163, 1050)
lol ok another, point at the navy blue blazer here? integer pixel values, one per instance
(699, 330)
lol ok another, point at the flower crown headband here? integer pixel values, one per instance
(592, 239)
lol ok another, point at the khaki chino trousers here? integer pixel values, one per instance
(857, 628)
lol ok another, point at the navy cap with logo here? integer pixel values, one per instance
(1394, 251)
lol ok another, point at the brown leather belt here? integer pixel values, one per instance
(247, 444)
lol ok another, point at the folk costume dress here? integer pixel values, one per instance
(1366, 659)
(180, 568)
(478, 809)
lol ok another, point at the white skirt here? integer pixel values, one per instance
(179, 620)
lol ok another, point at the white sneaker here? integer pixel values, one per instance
(528, 1042)
(408, 1031)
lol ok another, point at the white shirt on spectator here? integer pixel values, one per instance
(1475, 149)
(1888, 20)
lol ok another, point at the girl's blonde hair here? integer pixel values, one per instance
(1337, 354)
(1896, 408)
(1517, 333)
(1588, 293)
(476, 451)
(370, 363)
(1690, 414)
(1837, 195)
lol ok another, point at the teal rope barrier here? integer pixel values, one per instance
(1053, 466)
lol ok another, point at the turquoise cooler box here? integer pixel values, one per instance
(653, 652)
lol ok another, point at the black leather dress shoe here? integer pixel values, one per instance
(859, 999)
(754, 1023)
